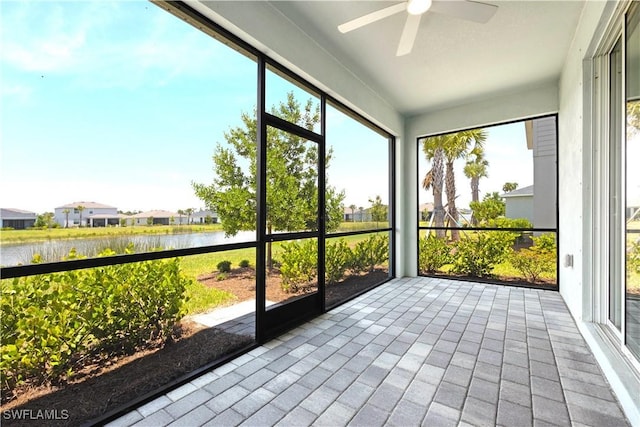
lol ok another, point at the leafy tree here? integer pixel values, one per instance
(509, 186)
(378, 210)
(292, 177)
(44, 220)
(66, 213)
(491, 207)
(150, 220)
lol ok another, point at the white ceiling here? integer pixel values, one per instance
(453, 61)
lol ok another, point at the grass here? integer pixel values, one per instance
(202, 298)
(39, 235)
(356, 226)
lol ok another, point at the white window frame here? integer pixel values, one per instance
(600, 181)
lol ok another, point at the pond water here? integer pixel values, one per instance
(55, 250)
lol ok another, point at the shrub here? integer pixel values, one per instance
(299, 264)
(370, 252)
(337, 260)
(434, 253)
(478, 255)
(537, 260)
(633, 257)
(50, 322)
(244, 263)
(510, 223)
(545, 242)
(224, 266)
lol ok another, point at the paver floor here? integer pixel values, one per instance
(414, 351)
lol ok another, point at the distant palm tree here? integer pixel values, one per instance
(188, 212)
(361, 209)
(66, 213)
(180, 213)
(509, 186)
(353, 212)
(80, 208)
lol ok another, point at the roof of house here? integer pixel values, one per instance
(425, 207)
(86, 205)
(155, 214)
(203, 214)
(13, 213)
(520, 192)
(108, 216)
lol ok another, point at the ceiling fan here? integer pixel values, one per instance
(463, 9)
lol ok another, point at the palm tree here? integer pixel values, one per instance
(443, 150)
(474, 170)
(509, 186)
(361, 213)
(458, 145)
(66, 213)
(80, 208)
(353, 212)
(180, 213)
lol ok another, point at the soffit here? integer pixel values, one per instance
(453, 62)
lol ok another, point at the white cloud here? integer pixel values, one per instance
(105, 44)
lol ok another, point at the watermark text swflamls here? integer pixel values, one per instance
(35, 414)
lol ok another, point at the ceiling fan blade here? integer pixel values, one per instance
(372, 17)
(465, 9)
(408, 34)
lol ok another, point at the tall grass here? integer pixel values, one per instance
(40, 235)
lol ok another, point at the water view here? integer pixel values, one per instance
(55, 250)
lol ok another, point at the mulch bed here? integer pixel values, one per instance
(103, 387)
(507, 281)
(126, 378)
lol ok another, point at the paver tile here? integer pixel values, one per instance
(411, 352)
(197, 417)
(511, 414)
(188, 403)
(478, 413)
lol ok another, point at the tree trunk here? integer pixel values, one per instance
(438, 208)
(475, 196)
(450, 186)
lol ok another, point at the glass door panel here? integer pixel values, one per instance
(632, 202)
(615, 185)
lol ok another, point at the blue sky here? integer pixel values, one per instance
(122, 103)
